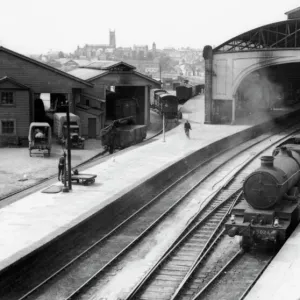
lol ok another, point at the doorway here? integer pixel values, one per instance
(92, 128)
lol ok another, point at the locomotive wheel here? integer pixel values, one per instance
(246, 243)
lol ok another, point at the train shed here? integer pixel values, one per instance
(121, 80)
(256, 71)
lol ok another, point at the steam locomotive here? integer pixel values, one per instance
(269, 212)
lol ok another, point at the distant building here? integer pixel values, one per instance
(141, 50)
(154, 49)
(94, 50)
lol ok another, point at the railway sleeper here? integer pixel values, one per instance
(158, 288)
(167, 278)
(174, 272)
(183, 258)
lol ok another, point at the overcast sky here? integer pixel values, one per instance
(36, 26)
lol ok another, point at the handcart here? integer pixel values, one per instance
(84, 179)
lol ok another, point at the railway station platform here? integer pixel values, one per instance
(281, 278)
(38, 218)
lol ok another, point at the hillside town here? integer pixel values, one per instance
(162, 64)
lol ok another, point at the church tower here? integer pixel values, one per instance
(112, 39)
(154, 49)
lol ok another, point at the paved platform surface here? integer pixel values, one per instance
(38, 218)
(280, 280)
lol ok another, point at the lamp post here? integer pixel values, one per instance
(165, 105)
(69, 146)
(65, 188)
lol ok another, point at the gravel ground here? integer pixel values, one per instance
(16, 164)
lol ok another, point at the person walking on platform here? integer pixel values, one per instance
(187, 128)
(112, 138)
(61, 166)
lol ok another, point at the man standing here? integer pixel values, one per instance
(61, 166)
(187, 128)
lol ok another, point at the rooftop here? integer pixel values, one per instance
(86, 74)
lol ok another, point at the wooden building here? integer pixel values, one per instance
(22, 79)
(122, 78)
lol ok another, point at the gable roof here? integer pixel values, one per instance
(109, 65)
(87, 74)
(14, 82)
(40, 64)
(92, 74)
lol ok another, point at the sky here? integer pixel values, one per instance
(37, 26)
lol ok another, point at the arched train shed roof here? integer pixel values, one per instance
(284, 34)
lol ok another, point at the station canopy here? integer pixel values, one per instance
(280, 35)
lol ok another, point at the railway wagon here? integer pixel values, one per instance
(269, 211)
(153, 96)
(125, 135)
(187, 91)
(164, 102)
(169, 105)
(184, 93)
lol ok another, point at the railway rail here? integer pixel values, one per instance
(240, 273)
(185, 257)
(74, 277)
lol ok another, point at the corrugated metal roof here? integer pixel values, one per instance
(102, 64)
(86, 74)
(82, 62)
(107, 64)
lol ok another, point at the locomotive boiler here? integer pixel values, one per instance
(270, 210)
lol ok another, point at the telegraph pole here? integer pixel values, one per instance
(69, 146)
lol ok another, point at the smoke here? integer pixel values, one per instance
(259, 92)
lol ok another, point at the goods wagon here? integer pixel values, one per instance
(269, 211)
(187, 91)
(153, 96)
(123, 135)
(164, 102)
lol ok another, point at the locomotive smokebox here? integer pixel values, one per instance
(267, 185)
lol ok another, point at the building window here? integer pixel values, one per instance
(7, 98)
(7, 126)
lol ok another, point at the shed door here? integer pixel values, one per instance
(92, 128)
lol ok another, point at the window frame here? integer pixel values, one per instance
(8, 120)
(13, 98)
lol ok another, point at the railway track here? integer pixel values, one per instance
(173, 277)
(73, 278)
(240, 273)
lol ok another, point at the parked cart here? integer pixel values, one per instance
(39, 137)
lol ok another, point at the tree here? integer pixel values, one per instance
(166, 63)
